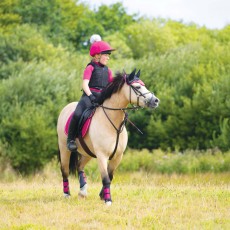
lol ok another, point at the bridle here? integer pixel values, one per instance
(134, 107)
(123, 123)
(138, 94)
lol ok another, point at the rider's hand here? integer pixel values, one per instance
(93, 99)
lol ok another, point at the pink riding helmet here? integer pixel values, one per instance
(100, 47)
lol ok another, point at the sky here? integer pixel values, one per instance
(214, 14)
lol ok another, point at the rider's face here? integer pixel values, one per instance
(104, 59)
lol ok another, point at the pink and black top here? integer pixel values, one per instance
(98, 75)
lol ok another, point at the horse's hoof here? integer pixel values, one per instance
(66, 195)
(108, 203)
(83, 191)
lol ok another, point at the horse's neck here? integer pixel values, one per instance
(117, 101)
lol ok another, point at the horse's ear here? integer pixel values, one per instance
(131, 76)
(138, 73)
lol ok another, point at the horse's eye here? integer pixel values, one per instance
(138, 87)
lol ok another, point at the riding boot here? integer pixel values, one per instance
(72, 134)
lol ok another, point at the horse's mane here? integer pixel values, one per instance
(113, 87)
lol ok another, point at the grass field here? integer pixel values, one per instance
(140, 201)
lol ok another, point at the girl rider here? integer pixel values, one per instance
(96, 77)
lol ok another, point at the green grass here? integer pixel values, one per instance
(140, 201)
(188, 162)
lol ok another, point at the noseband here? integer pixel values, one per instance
(123, 122)
(138, 94)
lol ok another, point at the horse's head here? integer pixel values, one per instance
(138, 93)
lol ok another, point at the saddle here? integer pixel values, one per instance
(84, 122)
(83, 128)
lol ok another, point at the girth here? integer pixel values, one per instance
(88, 151)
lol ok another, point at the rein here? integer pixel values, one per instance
(126, 116)
(119, 130)
(132, 108)
(122, 125)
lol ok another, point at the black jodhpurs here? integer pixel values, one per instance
(82, 105)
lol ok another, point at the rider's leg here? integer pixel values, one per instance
(72, 133)
(73, 126)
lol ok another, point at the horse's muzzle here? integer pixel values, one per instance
(153, 101)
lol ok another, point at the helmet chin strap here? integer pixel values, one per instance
(98, 58)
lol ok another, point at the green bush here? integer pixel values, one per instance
(30, 103)
(187, 67)
(29, 132)
(194, 94)
(28, 44)
(189, 162)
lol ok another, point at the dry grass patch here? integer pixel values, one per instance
(140, 201)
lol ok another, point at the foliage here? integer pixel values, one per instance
(194, 92)
(29, 113)
(57, 18)
(148, 36)
(28, 44)
(189, 162)
(43, 46)
(113, 18)
(106, 21)
(8, 18)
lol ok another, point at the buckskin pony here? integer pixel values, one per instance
(104, 135)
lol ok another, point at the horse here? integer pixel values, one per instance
(106, 138)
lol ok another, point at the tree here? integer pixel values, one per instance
(149, 38)
(113, 18)
(106, 20)
(57, 18)
(8, 18)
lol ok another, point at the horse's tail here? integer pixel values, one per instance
(73, 162)
(59, 155)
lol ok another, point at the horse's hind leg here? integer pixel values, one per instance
(64, 161)
(81, 175)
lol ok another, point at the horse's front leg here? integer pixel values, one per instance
(82, 177)
(113, 164)
(105, 193)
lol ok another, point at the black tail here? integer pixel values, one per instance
(59, 156)
(73, 162)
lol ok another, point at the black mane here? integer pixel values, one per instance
(113, 87)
